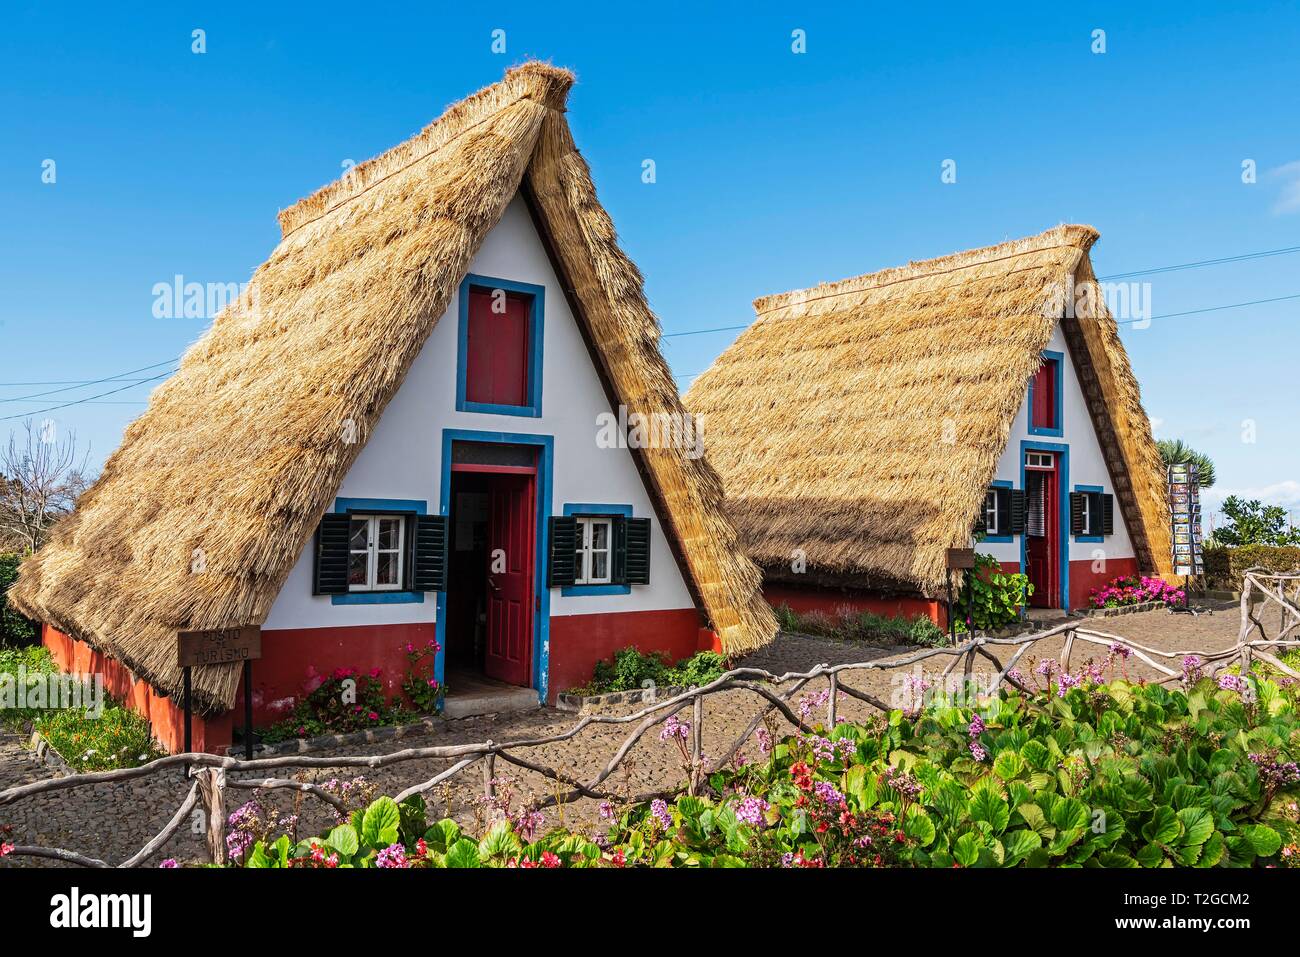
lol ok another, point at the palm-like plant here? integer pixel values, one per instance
(1177, 452)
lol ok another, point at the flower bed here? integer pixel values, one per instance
(350, 702)
(1135, 590)
(1076, 773)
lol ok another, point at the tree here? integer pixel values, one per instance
(40, 481)
(1177, 452)
(1254, 523)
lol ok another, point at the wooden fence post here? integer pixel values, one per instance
(1065, 655)
(830, 705)
(212, 796)
(1242, 645)
(697, 742)
(489, 773)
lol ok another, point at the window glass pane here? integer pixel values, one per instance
(357, 568)
(599, 566)
(386, 568)
(359, 536)
(389, 533)
(600, 536)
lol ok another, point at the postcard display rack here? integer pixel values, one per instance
(1185, 508)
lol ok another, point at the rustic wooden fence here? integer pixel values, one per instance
(211, 780)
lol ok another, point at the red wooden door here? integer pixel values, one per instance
(511, 518)
(496, 361)
(1042, 538)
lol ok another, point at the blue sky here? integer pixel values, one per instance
(774, 170)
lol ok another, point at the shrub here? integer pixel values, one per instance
(1225, 567)
(15, 630)
(991, 598)
(631, 669)
(849, 624)
(32, 660)
(118, 738)
(1135, 590)
(1077, 773)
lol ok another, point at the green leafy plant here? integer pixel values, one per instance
(15, 630)
(1254, 523)
(421, 688)
(850, 624)
(1178, 452)
(991, 598)
(1073, 773)
(631, 669)
(117, 738)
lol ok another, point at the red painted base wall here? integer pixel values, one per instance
(1083, 579)
(579, 641)
(296, 660)
(165, 715)
(836, 601)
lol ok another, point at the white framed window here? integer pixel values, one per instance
(376, 552)
(1088, 528)
(1039, 460)
(595, 553)
(991, 513)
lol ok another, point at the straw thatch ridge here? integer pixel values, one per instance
(200, 515)
(857, 424)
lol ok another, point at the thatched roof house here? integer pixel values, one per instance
(238, 456)
(860, 423)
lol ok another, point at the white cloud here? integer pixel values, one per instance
(1288, 200)
(1285, 493)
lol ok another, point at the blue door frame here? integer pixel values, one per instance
(1063, 507)
(545, 445)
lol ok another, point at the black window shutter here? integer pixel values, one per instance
(330, 571)
(1076, 513)
(981, 526)
(428, 553)
(637, 551)
(1107, 514)
(1002, 496)
(1018, 511)
(562, 562)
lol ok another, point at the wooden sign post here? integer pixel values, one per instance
(221, 646)
(963, 560)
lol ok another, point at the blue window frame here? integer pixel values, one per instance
(536, 322)
(594, 509)
(1005, 537)
(1090, 538)
(1058, 379)
(370, 506)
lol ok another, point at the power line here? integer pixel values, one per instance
(73, 388)
(90, 398)
(1195, 312)
(1244, 257)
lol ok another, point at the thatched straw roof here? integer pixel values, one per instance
(240, 453)
(861, 421)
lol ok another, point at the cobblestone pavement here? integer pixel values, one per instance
(113, 821)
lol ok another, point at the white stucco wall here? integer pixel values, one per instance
(1087, 466)
(403, 457)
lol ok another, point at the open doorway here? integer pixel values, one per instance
(1043, 528)
(490, 605)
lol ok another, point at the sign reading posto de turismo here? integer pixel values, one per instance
(222, 646)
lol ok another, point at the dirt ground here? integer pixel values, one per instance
(111, 822)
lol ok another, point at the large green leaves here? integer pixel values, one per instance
(379, 825)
